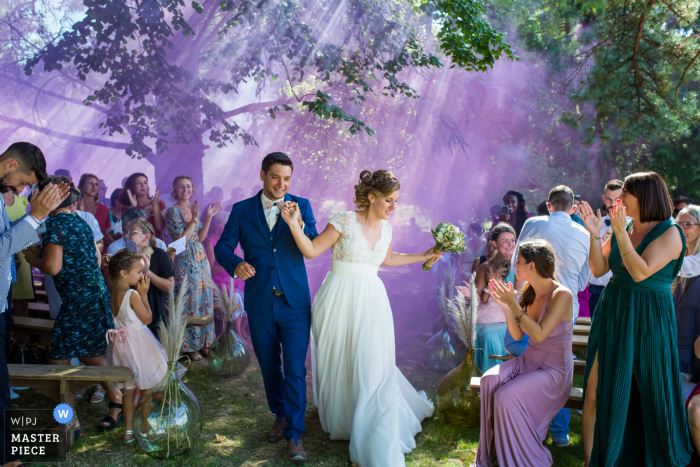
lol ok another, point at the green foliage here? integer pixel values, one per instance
(167, 68)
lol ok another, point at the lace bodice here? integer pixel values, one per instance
(352, 247)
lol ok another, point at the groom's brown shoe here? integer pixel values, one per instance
(276, 433)
(295, 451)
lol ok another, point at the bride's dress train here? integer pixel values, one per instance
(360, 393)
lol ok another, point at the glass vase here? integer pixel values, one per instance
(441, 351)
(456, 402)
(168, 422)
(229, 355)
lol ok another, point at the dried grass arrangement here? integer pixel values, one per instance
(463, 314)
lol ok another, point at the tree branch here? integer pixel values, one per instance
(65, 136)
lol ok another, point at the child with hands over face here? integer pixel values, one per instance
(131, 343)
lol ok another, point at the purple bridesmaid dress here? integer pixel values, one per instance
(520, 397)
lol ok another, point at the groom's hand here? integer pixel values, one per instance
(244, 270)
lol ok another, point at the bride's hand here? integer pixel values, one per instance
(432, 253)
(290, 213)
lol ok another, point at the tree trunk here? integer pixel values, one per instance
(180, 160)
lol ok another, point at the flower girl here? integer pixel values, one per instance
(132, 344)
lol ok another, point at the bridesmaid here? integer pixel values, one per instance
(633, 410)
(520, 397)
(183, 220)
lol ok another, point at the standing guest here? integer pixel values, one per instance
(70, 254)
(130, 215)
(633, 406)
(520, 396)
(21, 165)
(215, 195)
(64, 173)
(136, 193)
(413, 233)
(571, 244)
(157, 269)
(219, 275)
(102, 195)
(182, 219)
(476, 247)
(237, 194)
(89, 186)
(542, 209)
(491, 321)
(679, 202)
(22, 289)
(611, 194)
(517, 210)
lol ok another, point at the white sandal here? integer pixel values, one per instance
(129, 432)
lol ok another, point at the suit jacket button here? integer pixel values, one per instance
(272, 268)
(270, 238)
(274, 250)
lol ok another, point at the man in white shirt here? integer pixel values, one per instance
(613, 190)
(571, 244)
(130, 215)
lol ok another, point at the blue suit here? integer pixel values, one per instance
(284, 320)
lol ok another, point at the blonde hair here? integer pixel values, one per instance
(147, 229)
(381, 183)
(177, 179)
(692, 210)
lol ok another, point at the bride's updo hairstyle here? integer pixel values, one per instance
(381, 184)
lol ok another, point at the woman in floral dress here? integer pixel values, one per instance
(182, 219)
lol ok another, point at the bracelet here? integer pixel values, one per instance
(522, 313)
(625, 254)
(595, 237)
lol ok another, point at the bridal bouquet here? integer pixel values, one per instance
(448, 239)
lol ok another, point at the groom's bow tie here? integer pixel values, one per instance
(267, 205)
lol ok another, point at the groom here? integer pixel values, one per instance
(277, 297)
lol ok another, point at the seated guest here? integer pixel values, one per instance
(182, 220)
(490, 251)
(22, 289)
(491, 321)
(64, 173)
(69, 253)
(137, 194)
(129, 216)
(89, 187)
(103, 193)
(219, 275)
(158, 269)
(114, 233)
(520, 397)
(686, 300)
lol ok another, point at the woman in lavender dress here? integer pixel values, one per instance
(521, 396)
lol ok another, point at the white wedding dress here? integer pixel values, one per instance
(360, 393)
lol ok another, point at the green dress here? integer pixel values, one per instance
(639, 421)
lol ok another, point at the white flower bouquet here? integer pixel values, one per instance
(448, 239)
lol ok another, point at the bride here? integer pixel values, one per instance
(361, 394)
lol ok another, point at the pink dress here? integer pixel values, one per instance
(520, 397)
(133, 345)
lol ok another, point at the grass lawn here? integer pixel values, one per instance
(236, 415)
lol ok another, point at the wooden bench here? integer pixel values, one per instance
(579, 365)
(39, 310)
(575, 400)
(41, 327)
(38, 284)
(61, 383)
(584, 321)
(579, 342)
(41, 296)
(582, 329)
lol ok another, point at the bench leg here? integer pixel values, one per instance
(67, 396)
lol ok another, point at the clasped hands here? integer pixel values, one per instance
(290, 213)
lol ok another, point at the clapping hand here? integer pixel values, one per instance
(49, 199)
(504, 294)
(156, 197)
(593, 222)
(213, 209)
(194, 209)
(132, 198)
(466, 290)
(143, 285)
(618, 217)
